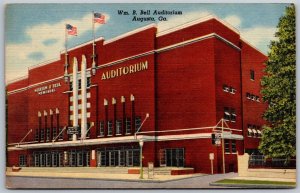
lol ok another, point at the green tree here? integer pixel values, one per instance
(279, 91)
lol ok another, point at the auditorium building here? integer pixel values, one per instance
(186, 97)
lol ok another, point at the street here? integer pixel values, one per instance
(67, 183)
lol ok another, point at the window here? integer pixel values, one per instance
(229, 114)
(225, 88)
(232, 90)
(36, 136)
(88, 81)
(257, 99)
(248, 95)
(227, 150)
(226, 113)
(54, 132)
(233, 115)
(252, 97)
(88, 134)
(42, 134)
(138, 122)
(100, 129)
(110, 128)
(252, 74)
(128, 125)
(22, 160)
(47, 134)
(250, 132)
(79, 84)
(71, 86)
(233, 146)
(60, 137)
(118, 127)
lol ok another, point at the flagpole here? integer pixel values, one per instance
(66, 54)
(93, 64)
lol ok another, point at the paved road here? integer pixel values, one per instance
(55, 183)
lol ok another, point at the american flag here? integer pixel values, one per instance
(99, 18)
(72, 30)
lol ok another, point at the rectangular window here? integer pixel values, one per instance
(54, 132)
(36, 136)
(138, 122)
(101, 129)
(88, 81)
(227, 150)
(128, 125)
(252, 74)
(233, 146)
(233, 115)
(226, 113)
(79, 84)
(47, 134)
(118, 127)
(88, 134)
(71, 86)
(225, 88)
(22, 160)
(232, 90)
(250, 132)
(60, 137)
(110, 128)
(42, 134)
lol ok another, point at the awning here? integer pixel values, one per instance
(227, 113)
(250, 130)
(258, 131)
(254, 131)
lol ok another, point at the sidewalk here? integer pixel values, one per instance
(102, 176)
(264, 179)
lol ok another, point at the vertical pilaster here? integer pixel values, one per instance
(83, 98)
(75, 96)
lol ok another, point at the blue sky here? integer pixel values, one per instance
(38, 29)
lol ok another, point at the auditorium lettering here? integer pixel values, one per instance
(47, 89)
(125, 70)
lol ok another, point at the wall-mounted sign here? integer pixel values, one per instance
(47, 89)
(125, 70)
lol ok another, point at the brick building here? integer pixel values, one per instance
(167, 90)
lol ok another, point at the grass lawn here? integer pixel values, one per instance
(233, 181)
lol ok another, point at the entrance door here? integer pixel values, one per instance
(36, 160)
(175, 157)
(121, 158)
(112, 158)
(54, 159)
(86, 158)
(79, 158)
(72, 160)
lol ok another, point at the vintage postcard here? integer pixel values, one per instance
(118, 96)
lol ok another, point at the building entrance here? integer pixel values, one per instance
(172, 157)
(118, 156)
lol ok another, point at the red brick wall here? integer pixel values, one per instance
(253, 111)
(185, 87)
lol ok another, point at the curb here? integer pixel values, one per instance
(145, 180)
(254, 186)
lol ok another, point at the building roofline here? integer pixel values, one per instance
(197, 21)
(129, 33)
(16, 79)
(82, 44)
(43, 63)
(253, 46)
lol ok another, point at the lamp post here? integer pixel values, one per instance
(141, 142)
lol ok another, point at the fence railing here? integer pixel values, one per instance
(259, 161)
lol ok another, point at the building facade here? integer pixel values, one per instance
(163, 92)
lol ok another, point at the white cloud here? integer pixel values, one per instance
(233, 20)
(259, 36)
(181, 19)
(17, 55)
